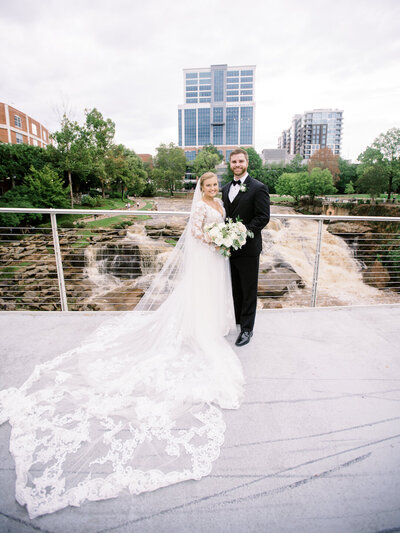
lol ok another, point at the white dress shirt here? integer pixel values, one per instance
(234, 189)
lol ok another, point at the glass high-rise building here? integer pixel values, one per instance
(313, 130)
(219, 109)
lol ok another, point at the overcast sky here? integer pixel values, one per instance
(125, 57)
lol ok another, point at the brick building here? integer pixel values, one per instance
(17, 127)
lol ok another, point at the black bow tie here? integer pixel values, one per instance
(236, 182)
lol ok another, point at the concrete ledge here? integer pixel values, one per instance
(315, 446)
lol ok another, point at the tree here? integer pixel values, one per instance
(318, 182)
(169, 167)
(125, 170)
(373, 181)
(324, 158)
(348, 173)
(389, 146)
(290, 184)
(349, 189)
(17, 159)
(206, 160)
(72, 151)
(40, 188)
(296, 164)
(98, 134)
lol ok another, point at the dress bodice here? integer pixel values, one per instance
(205, 214)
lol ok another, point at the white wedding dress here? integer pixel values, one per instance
(136, 406)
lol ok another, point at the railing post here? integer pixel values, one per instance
(60, 271)
(316, 265)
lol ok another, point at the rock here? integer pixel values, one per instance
(271, 304)
(277, 282)
(338, 228)
(376, 275)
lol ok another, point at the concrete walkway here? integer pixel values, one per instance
(314, 448)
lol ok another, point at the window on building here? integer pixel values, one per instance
(190, 127)
(232, 86)
(204, 100)
(180, 126)
(232, 93)
(232, 99)
(218, 125)
(246, 72)
(228, 155)
(17, 121)
(246, 125)
(232, 73)
(232, 125)
(205, 87)
(191, 100)
(247, 80)
(205, 75)
(191, 89)
(190, 155)
(218, 85)
(246, 92)
(19, 138)
(191, 82)
(204, 127)
(246, 98)
(246, 86)
(191, 75)
(34, 129)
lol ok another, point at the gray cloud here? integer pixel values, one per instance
(126, 59)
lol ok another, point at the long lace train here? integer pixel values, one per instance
(137, 405)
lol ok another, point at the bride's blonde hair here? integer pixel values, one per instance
(206, 176)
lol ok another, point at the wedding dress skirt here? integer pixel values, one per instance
(135, 407)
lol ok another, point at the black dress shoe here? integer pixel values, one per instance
(244, 338)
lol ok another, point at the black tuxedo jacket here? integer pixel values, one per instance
(252, 207)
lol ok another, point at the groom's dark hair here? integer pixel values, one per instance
(239, 151)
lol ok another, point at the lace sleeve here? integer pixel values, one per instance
(198, 220)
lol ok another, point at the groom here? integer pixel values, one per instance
(247, 199)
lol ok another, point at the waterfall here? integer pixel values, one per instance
(96, 271)
(293, 242)
(119, 268)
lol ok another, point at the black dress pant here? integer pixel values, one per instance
(244, 272)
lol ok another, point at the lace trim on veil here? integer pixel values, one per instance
(132, 408)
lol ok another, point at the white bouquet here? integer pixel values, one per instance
(227, 235)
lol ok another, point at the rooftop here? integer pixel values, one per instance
(314, 447)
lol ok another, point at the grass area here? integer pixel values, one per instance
(275, 198)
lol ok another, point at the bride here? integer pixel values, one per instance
(136, 406)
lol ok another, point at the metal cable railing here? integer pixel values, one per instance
(306, 261)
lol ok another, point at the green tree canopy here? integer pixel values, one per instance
(316, 183)
(17, 159)
(125, 170)
(71, 154)
(347, 174)
(40, 188)
(373, 180)
(206, 160)
(99, 134)
(169, 167)
(384, 154)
